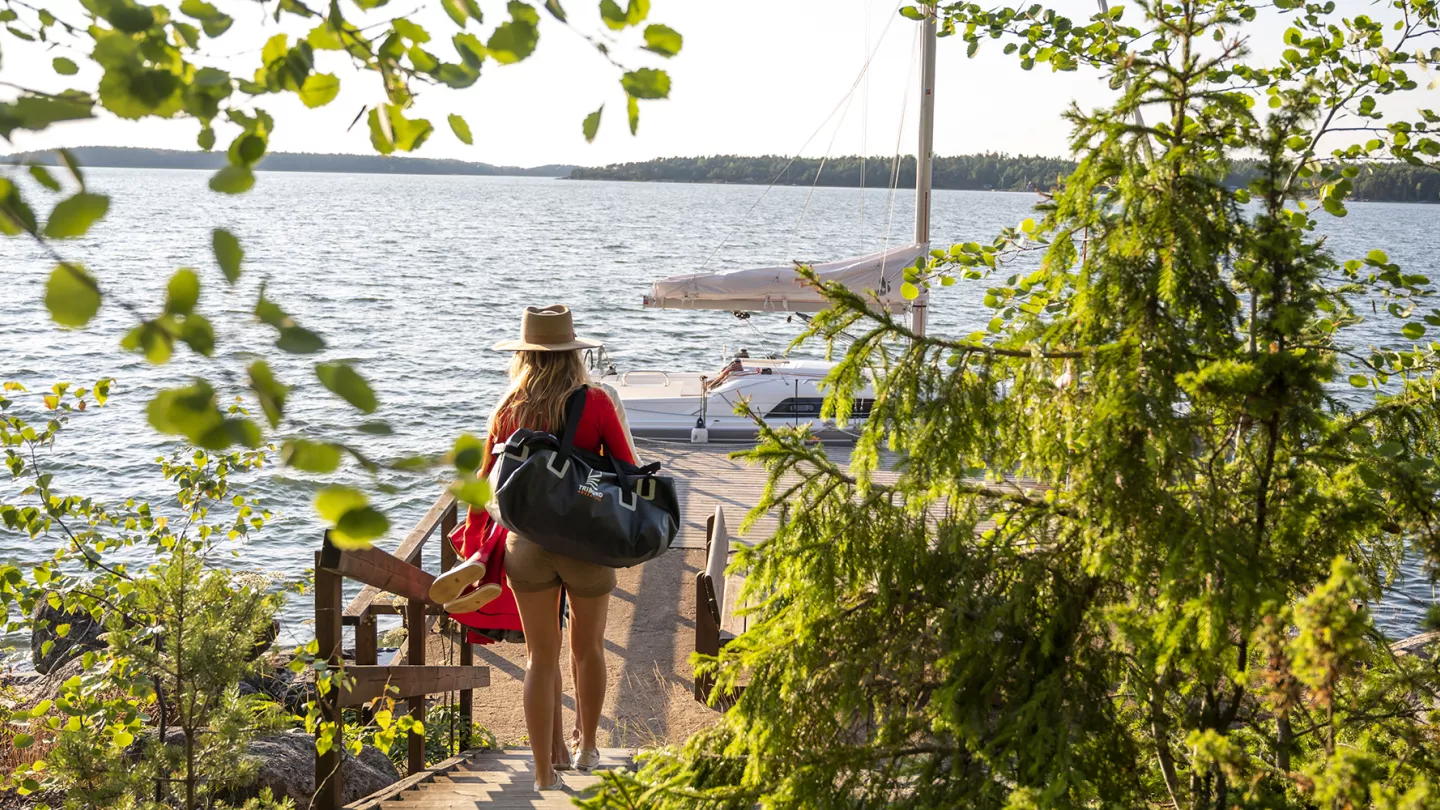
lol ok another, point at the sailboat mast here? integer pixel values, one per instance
(926, 151)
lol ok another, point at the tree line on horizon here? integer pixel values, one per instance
(991, 171)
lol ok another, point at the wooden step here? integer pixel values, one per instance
(487, 780)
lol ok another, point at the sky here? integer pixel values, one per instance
(754, 77)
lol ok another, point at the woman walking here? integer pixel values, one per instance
(546, 369)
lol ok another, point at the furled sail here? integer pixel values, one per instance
(780, 289)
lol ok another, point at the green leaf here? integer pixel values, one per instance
(613, 15)
(471, 490)
(358, 527)
(43, 176)
(1359, 380)
(909, 291)
(1413, 331)
(73, 216)
(1028, 225)
(72, 296)
(460, 128)
(513, 41)
(64, 66)
(153, 340)
(469, 453)
(663, 40)
(347, 383)
(410, 30)
(315, 457)
(553, 6)
(319, 89)
(228, 253)
(270, 391)
(457, 11)
(333, 502)
(632, 111)
(193, 412)
(646, 83)
(199, 334)
(233, 180)
(637, 11)
(206, 139)
(23, 741)
(298, 340)
(591, 124)
(912, 13)
(1377, 257)
(182, 293)
(1390, 449)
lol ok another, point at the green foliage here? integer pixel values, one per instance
(442, 737)
(180, 632)
(1126, 537)
(1380, 182)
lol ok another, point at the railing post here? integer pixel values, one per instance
(448, 558)
(327, 634)
(467, 696)
(448, 522)
(415, 641)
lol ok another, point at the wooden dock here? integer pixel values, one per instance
(706, 477)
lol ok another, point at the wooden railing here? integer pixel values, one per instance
(398, 573)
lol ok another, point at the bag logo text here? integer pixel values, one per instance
(591, 487)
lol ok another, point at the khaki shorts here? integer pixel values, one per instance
(530, 569)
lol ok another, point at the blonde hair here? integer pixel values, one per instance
(540, 382)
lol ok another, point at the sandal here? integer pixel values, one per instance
(587, 759)
(448, 586)
(558, 784)
(474, 600)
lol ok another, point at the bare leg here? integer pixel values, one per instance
(575, 679)
(587, 646)
(539, 618)
(559, 753)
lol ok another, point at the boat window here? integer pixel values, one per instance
(810, 406)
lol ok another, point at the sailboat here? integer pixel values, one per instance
(701, 407)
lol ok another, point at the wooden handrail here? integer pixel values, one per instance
(442, 514)
(400, 574)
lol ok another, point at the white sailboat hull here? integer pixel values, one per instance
(669, 405)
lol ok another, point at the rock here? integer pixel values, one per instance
(287, 766)
(47, 686)
(1425, 645)
(84, 635)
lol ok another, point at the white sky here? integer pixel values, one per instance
(754, 77)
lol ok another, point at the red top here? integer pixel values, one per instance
(599, 428)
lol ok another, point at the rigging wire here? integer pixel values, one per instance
(899, 138)
(844, 101)
(865, 129)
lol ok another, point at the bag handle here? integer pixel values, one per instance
(574, 409)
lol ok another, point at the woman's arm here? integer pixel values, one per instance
(615, 432)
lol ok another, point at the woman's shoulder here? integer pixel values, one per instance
(595, 395)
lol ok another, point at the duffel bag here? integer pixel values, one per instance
(581, 504)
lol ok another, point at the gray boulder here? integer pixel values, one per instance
(84, 635)
(286, 765)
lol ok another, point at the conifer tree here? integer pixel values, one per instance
(1137, 521)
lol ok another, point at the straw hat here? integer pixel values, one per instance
(546, 329)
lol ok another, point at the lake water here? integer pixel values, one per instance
(413, 278)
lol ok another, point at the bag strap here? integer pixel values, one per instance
(574, 409)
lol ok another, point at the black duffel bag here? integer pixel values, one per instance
(581, 504)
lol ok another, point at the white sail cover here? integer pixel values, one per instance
(780, 289)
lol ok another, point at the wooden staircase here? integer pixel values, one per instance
(487, 779)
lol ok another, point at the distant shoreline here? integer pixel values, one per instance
(121, 157)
